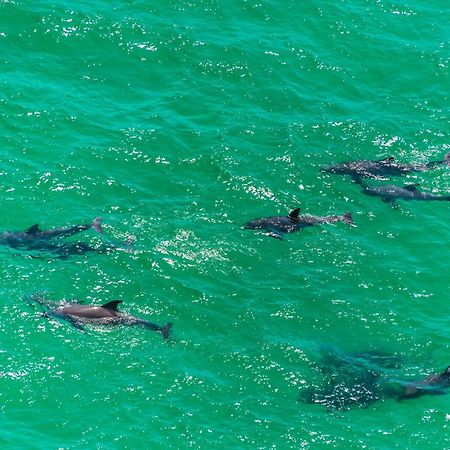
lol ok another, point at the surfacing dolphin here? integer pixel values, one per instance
(277, 225)
(433, 384)
(380, 169)
(50, 240)
(78, 315)
(389, 193)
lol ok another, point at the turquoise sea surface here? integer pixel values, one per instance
(178, 122)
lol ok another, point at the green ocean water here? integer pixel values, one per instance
(177, 122)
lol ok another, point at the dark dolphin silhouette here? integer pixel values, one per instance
(381, 168)
(276, 225)
(359, 379)
(350, 379)
(433, 385)
(390, 193)
(49, 240)
(78, 314)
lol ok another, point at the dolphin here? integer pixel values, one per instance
(34, 237)
(78, 314)
(433, 384)
(389, 193)
(276, 225)
(379, 169)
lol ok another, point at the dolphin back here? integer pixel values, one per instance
(165, 330)
(348, 219)
(96, 225)
(112, 305)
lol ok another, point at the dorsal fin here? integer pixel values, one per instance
(389, 159)
(33, 230)
(411, 187)
(293, 215)
(112, 305)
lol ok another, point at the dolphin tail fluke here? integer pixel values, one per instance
(445, 162)
(447, 159)
(165, 330)
(348, 219)
(96, 225)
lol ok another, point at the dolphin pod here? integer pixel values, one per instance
(359, 382)
(78, 314)
(276, 225)
(381, 168)
(359, 170)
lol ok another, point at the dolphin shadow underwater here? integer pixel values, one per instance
(79, 314)
(389, 193)
(350, 379)
(360, 379)
(382, 168)
(277, 225)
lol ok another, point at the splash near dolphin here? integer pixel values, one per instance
(382, 168)
(35, 239)
(79, 315)
(277, 225)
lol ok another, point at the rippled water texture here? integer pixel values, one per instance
(177, 123)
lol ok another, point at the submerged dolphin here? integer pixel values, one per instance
(108, 314)
(50, 240)
(34, 235)
(433, 384)
(276, 225)
(390, 193)
(380, 168)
